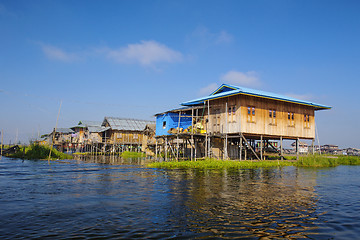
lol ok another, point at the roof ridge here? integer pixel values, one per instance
(129, 119)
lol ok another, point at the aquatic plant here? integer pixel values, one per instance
(219, 164)
(349, 160)
(128, 154)
(304, 161)
(317, 161)
(36, 151)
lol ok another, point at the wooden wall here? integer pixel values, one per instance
(124, 137)
(230, 115)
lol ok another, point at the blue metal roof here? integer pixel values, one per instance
(226, 90)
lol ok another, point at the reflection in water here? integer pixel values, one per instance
(111, 160)
(113, 198)
(262, 202)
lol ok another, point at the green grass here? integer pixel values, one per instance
(219, 164)
(128, 154)
(304, 161)
(317, 161)
(36, 151)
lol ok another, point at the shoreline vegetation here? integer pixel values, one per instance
(36, 151)
(304, 161)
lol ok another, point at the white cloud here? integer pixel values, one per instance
(58, 54)
(208, 89)
(203, 36)
(6, 12)
(224, 37)
(248, 79)
(146, 53)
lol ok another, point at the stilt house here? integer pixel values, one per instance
(234, 119)
(90, 131)
(126, 132)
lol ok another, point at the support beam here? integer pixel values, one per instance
(261, 147)
(313, 146)
(241, 147)
(156, 153)
(251, 148)
(281, 148)
(297, 148)
(192, 131)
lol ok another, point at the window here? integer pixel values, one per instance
(164, 124)
(231, 113)
(136, 136)
(216, 121)
(306, 121)
(272, 117)
(251, 114)
(291, 119)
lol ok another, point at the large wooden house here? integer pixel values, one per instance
(233, 120)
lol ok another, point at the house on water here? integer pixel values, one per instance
(232, 121)
(127, 134)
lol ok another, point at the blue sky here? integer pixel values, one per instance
(136, 58)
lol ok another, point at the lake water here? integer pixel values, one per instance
(123, 199)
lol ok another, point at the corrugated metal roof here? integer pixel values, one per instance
(226, 90)
(91, 123)
(64, 130)
(127, 124)
(97, 129)
(180, 109)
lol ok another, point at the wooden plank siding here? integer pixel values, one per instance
(230, 115)
(125, 137)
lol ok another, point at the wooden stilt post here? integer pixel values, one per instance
(281, 148)
(251, 148)
(261, 147)
(195, 154)
(241, 147)
(192, 132)
(297, 148)
(2, 141)
(313, 146)
(165, 148)
(177, 138)
(206, 136)
(156, 149)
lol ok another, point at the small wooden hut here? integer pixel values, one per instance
(125, 133)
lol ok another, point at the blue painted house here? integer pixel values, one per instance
(170, 119)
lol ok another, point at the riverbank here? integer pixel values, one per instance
(305, 161)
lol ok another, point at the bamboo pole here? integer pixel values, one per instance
(281, 148)
(261, 147)
(227, 130)
(192, 131)
(209, 138)
(241, 147)
(297, 148)
(53, 139)
(2, 142)
(177, 138)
